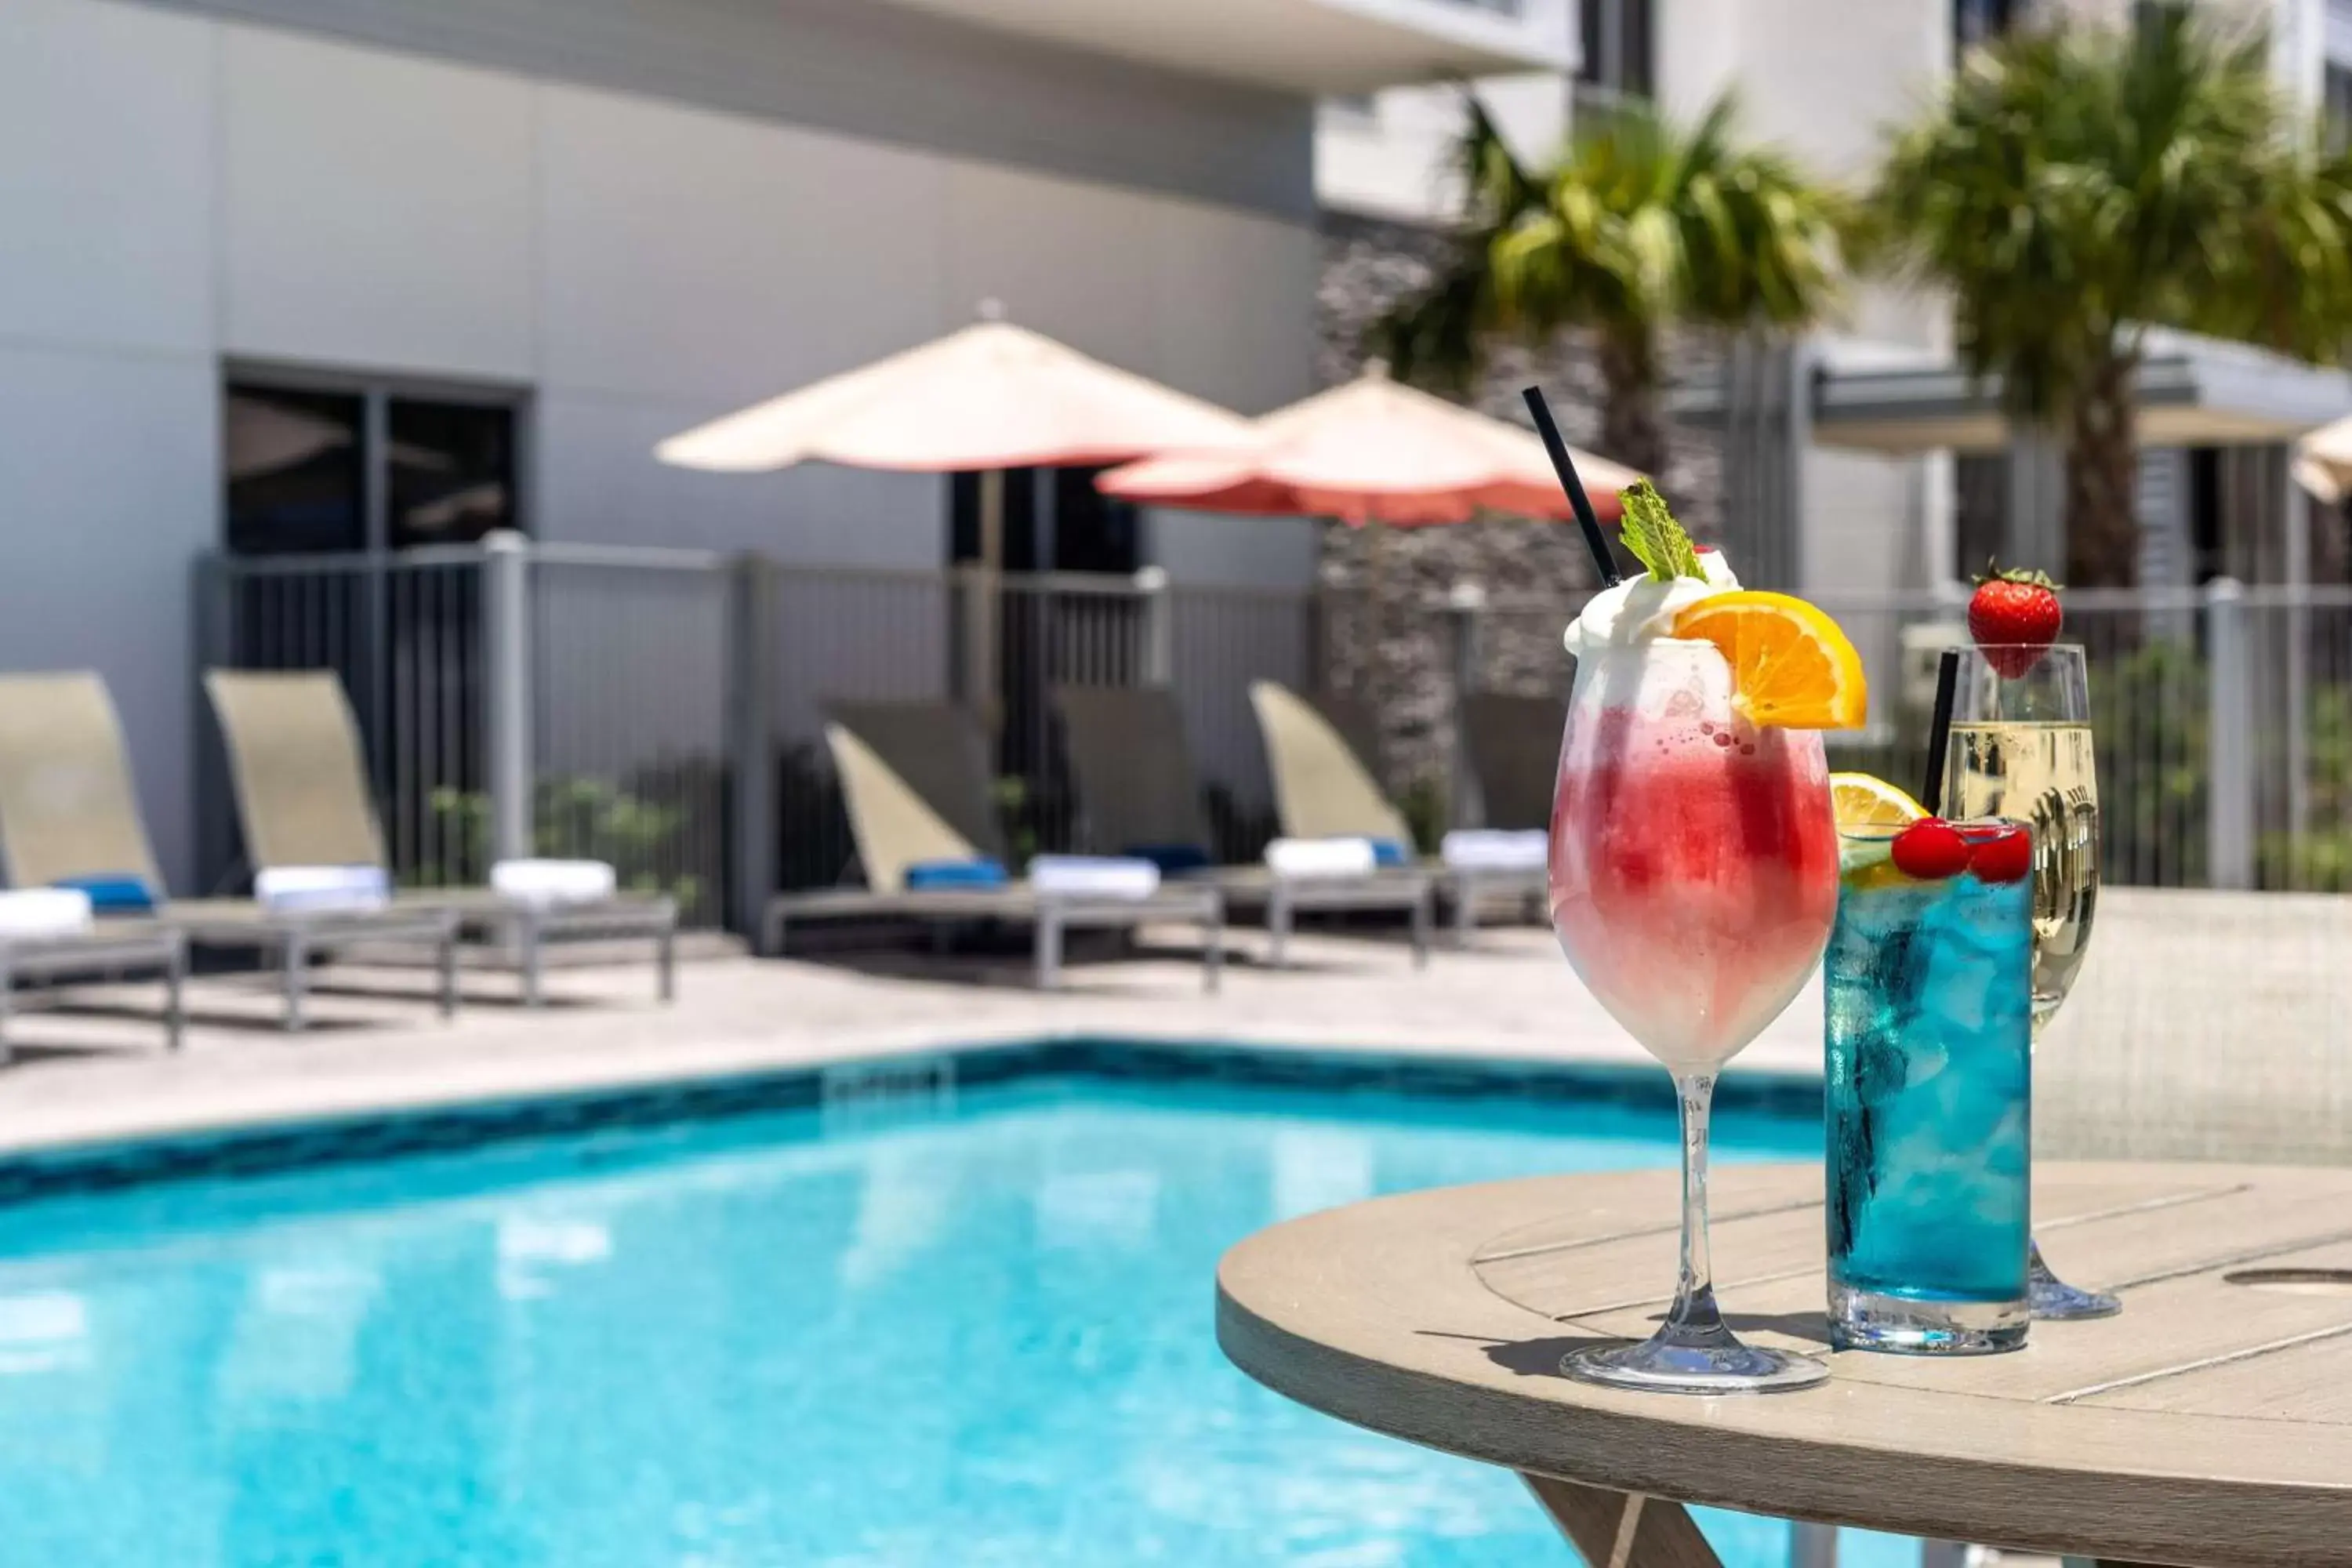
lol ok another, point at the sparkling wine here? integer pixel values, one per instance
(2041, 774)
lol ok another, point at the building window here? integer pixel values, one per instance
(2336, 104)
(314, 467)
(1980, 511)
(1061, 524)
(1978, 22)
(450, 471)
(293, 466)
(1616, 47)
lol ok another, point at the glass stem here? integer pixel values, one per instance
(1694, 1316)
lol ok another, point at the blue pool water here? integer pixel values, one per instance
(979, 1336)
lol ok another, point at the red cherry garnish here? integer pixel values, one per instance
(2001, 854)
(1930, 849)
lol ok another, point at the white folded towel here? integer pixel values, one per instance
(323, 889)
(1493, 849)
(1321, 857)
(543, 884)
(44, 911)
(1095, 876)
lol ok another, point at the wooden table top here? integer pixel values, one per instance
(2210, 1424)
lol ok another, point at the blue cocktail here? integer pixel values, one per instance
(1928, 990)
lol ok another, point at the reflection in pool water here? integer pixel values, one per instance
(977, 1338)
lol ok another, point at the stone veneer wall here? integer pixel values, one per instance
(1394, 650)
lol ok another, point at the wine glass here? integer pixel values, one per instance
(2021, 748)
(1693, 878)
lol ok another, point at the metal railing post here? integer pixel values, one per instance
(214, 626)
(1813, 1546)
(1315, 627)
(1158, 665)
(2228, 738)
(751, 654)
(506, 614)
(1463, 605)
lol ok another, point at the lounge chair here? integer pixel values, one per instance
(1138, 793)
(106, 950)
(1512, 745)
(1320, 754)
(302, 797)
(69, 813)
(915, 779)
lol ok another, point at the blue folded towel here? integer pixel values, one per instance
(931, 875)
(113, 892)
(1173, 859)
(1388, 853)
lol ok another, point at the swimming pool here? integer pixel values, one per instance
(910, 1327)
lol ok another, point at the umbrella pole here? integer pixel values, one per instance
(1375, 668)
(986, 603)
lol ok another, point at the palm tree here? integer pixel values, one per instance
(1641, 223)
(2075, 186)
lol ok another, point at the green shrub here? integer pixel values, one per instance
(648, 830)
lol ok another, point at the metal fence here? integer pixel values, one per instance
(404, 633)
(1220, 641)
(663, 710)
(628, 656)
(2222, 717)
(619, 666)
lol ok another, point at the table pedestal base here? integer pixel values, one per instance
(1622, 1530)
(1626, 1529)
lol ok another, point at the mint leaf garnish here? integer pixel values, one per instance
(1654, 536)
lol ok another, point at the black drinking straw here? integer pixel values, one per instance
(1565, 466)
(1939, 728)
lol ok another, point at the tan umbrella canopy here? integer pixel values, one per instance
(993, 395)
(2323, 461)
(1373, 450)
(989, 398)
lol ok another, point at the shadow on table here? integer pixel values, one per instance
(1541, 1357)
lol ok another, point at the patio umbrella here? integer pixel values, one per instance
(989, 398)
(1372, 451)
(2323, 461)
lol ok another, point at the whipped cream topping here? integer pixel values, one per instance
(1642, 609)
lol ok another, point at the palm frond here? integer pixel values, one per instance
(1639, 221)
(2075, 185)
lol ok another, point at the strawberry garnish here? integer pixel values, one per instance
(2013, 618)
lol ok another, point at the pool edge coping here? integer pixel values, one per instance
(290, 1132)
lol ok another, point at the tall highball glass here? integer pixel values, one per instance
(1693, 880)
(2021, 748)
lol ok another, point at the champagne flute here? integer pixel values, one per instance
(1693, 878)
(2021, 748)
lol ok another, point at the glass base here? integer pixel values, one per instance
(2058, 1301)
(1713, 1364)
(1903, 1325)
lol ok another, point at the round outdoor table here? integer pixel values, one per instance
(2209, 1424)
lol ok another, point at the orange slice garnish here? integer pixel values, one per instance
(1790, 665)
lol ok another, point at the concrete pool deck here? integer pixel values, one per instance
(2205, 1025)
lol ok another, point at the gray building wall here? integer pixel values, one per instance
(178, 190)
(866, 69)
